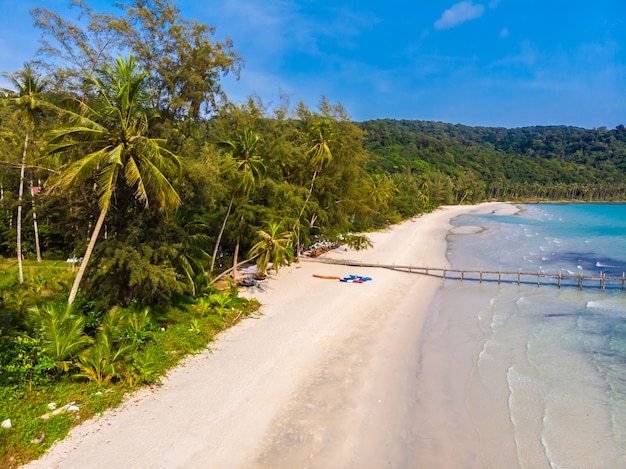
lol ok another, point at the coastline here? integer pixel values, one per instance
(326, 376)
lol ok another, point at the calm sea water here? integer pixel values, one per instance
(552, 360)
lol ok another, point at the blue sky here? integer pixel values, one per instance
(505, 63)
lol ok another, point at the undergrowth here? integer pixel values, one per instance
(52, 357)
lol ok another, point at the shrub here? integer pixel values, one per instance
(23, 361)
(62, 333)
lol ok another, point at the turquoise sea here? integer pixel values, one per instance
(546, 384)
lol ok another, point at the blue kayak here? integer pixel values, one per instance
(355, 279)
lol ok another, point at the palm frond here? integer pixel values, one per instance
(79, 170)
(108, 176)
(157, 183)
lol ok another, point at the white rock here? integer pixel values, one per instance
(6, 424)
(52, 405)
(72, 408)
(63, 409)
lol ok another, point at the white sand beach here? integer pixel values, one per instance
(328, 376)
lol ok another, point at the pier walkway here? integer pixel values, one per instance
(539, 278)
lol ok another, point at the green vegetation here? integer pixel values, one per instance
(138, 162)
(529, 163)
(62, 355)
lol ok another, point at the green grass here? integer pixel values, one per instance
(173, 335)
(32, 267)
(25, 409)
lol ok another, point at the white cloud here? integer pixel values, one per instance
(458, 14)
(504, 33)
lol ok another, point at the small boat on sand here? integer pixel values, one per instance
(355, 279)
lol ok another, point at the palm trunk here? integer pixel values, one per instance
(85, 261)
(2, 204)
(219, 236)
(235, 261)
(38, 248)
(237, 250)
(19, 211)
(306, 201)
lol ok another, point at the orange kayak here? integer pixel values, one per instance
(330, 277)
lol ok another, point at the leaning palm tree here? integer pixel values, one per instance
(273, 247)
(320, 154)
(242, 147)
(112, 137)
(27, 97)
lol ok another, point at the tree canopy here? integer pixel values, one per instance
(156, 126)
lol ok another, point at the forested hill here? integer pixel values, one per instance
(538, 161)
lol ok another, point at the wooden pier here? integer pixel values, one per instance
(539, 278)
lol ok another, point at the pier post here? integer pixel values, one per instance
(539, 278)
(580, 277)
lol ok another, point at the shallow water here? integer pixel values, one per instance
(546, 386)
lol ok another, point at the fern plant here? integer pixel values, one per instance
(221, 303)
(105, 360)
(62, 333)
(144, 367)
(139, 326)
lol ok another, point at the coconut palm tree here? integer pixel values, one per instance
(27, 97)
(274, 247)
(320, 154)
(111, 135)
(249, 165)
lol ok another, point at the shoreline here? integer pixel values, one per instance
(326, 376)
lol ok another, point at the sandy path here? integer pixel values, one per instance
(326, 377)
